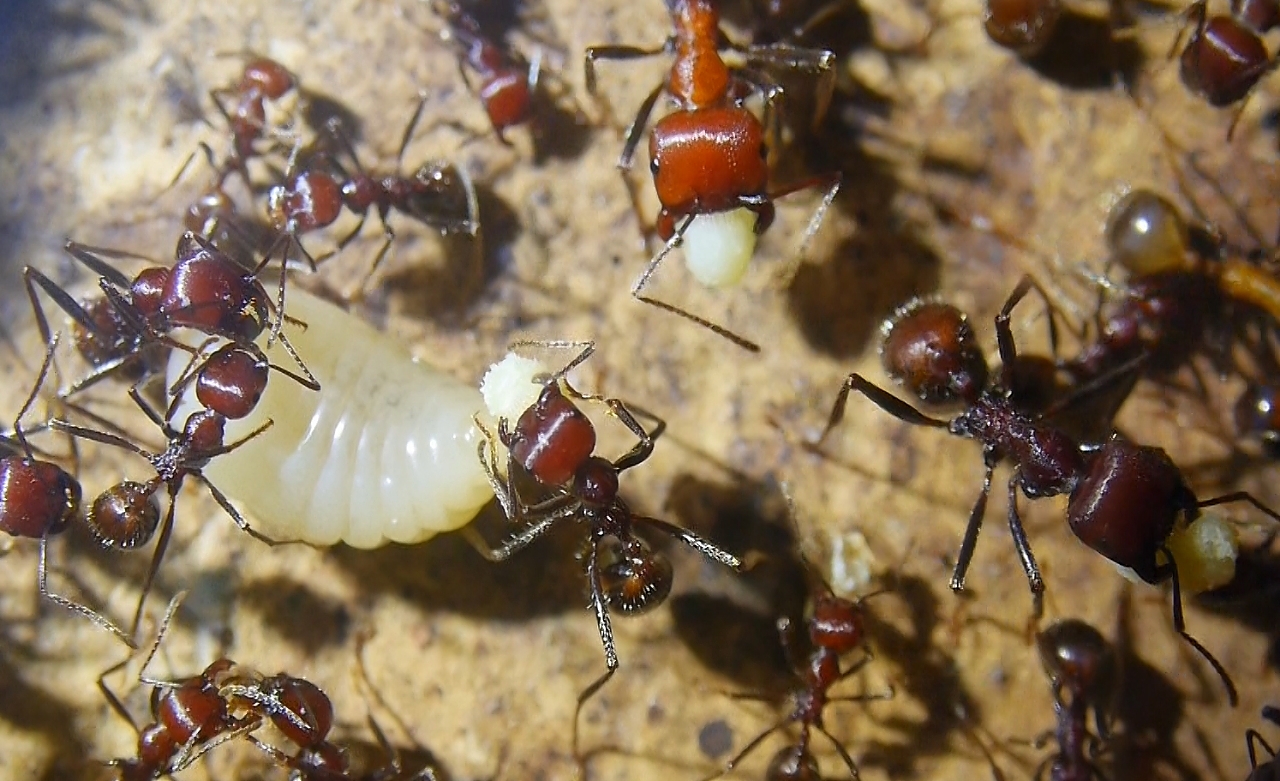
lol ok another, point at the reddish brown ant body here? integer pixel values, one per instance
(709, 157)
(1225, 56)
(314, 198)
(1124, 499)
(1268, 769)
(553, 442)
(262, 80)
(126, 515)
(1081, 666)
(507, 84)
(1023, 26)
(833, 628)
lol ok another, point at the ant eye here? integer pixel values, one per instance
(638, 581)
(653, 166)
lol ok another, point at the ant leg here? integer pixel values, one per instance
(162, 545)
(1180, 626)
(831, 184)
(1004, 333)
(1028, 559)
(520, 540)
(102, 437)
(971, 533)
(1240, 496)
(409, 128)
(601, 610)
(637, 127)
(698, 543)
(1253, 739)
(676, 238)
(594, 53)
(842, 751)
(112, 699)
(644, 448)
(18, 433)
(92, 257)
(42, 584)
(747, 749)
(882, 399)
(236, 517)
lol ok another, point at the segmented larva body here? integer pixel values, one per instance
(385, 451)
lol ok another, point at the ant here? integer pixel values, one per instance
(189, 717)
(1081, 666)
(126, 515)
(314, 198)
(709, 157)
(262, 80)
(507, 84)
(834, 627)
(1225, 56)
(553, 442)
(1023, 26)
(1270, 769)
(39, 499)
(1123, 500)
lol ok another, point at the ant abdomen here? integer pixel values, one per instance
(931, 349)
(37, 498)
(1146, 234)
(793, 763)
(125, 515)
(638, 581)
(268, 77)
(1024, 26)
(1125, 484)
(553, 438)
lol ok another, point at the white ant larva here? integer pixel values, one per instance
(718, 246)
(384, 451)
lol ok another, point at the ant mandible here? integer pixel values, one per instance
(709, 157)
(834, 627)
(553, 442)
(1124, 499)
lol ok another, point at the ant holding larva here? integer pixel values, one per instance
(709, 157)
(1125, 501)
(553, 443)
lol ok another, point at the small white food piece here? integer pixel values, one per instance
(1206, 551)
(507, 388)
(718, 246)
(384, 452)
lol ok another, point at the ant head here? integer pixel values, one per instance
(267, 77)
(232, 381)
(147, 290)
(929, 347)
(40, 498)
(1023, 26)
(305, 713)
(1146, 234)
(836, 624)
(1223, 60)
(553, 438)
(125, 515)
(793, 763)
(326, 757)
(596, 483)
(1077, 658)
(637, 580)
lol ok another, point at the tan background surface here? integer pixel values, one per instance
(483, 662)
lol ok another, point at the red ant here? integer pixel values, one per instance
(262, 79)
(1082, 668)
(189, 717)
(39, 499)
(126, 516)
(1267, 770)
(1124, 500)
(553, 442)
(313, 198)
(710, 157)
(507, 84)
(1225, 57)
(834, 627)
(1024, 26)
